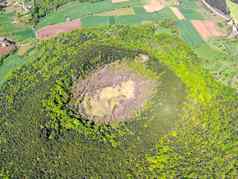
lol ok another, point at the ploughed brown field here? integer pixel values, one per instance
(54, 30)
(207, 29)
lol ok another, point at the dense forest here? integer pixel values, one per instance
(41, 137)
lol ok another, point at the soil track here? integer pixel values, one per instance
(54, 30)
(155, 5)
(207, 29)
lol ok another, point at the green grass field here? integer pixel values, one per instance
(191, 14)
(189, 34)
(76, 10)
(188, 4)
(11, 64)
(190, 10)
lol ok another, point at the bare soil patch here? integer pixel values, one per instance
(54, 30)
(111, 94)
(207, 29)
(177, 13)
(155, 5)
(118, 12)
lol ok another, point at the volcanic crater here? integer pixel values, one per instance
(112, 93)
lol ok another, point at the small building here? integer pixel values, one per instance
(4, 42)
(6, 46)
(3, 4)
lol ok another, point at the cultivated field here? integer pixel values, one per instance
(189, 34)
(17, 32)
(54, 30)
(207, 29)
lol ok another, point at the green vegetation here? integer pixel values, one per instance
(222, 60)
(76, 10)
(18, 32)
(41, 8)
(8, 66)
(189, 34)
(41, 137)
(190, 10)
(233, 9)
(197, 147)
(187, 130)
(87, 12)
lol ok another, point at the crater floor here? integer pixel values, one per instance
(113, 93)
